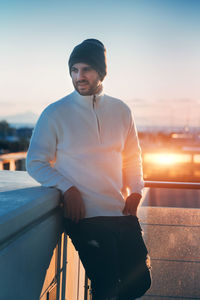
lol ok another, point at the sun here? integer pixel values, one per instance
(167, 158)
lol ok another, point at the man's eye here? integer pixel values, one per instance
(87, 69)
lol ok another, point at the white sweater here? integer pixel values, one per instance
(89, 144)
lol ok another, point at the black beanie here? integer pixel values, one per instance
(91, 52)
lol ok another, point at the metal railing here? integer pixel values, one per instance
(172, 185)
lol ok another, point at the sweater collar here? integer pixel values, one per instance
(88, 100)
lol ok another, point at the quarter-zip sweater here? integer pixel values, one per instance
(89, 142)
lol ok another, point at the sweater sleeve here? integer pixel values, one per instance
(132, 161)
(42, 153)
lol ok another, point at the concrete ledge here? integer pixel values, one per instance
(25, 260)
(22, 201)
(30, 233)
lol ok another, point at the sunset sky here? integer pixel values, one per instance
(153, 54)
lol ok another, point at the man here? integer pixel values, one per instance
(86, 145)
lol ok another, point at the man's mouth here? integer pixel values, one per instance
(82, 83)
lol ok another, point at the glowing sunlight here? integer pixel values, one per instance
(167, 158)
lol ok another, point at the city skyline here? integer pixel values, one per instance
(181, 113)
(153, 51)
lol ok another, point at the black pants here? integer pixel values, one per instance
(113, 254)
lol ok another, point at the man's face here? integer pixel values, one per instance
(85, 79)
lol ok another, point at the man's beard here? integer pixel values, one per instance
(87, 89)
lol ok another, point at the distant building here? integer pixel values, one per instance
(13, 161)
(11, 139)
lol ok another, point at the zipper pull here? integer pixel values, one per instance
(94, 100)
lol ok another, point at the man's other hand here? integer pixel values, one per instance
(74, 207)
(131, 204)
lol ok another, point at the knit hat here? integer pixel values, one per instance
(91, 52)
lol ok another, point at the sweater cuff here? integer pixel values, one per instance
(64, 185)
(137, 188)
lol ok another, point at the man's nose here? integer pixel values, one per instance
(80, 75)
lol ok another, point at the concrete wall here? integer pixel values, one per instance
(172, 236)
(32, 243)
(30, 226)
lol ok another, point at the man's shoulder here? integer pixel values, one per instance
(59, 104)
(117, 103)
(56, 108)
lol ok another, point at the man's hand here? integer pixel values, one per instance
(131, 204)
(74, 207)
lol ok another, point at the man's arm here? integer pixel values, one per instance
(41, 154)
(132, 170)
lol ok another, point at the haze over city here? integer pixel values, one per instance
(153, 55)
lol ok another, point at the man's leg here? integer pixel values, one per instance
(95, 240)
(134, 265)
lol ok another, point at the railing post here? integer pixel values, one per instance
(64, 267)
(58, 268)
